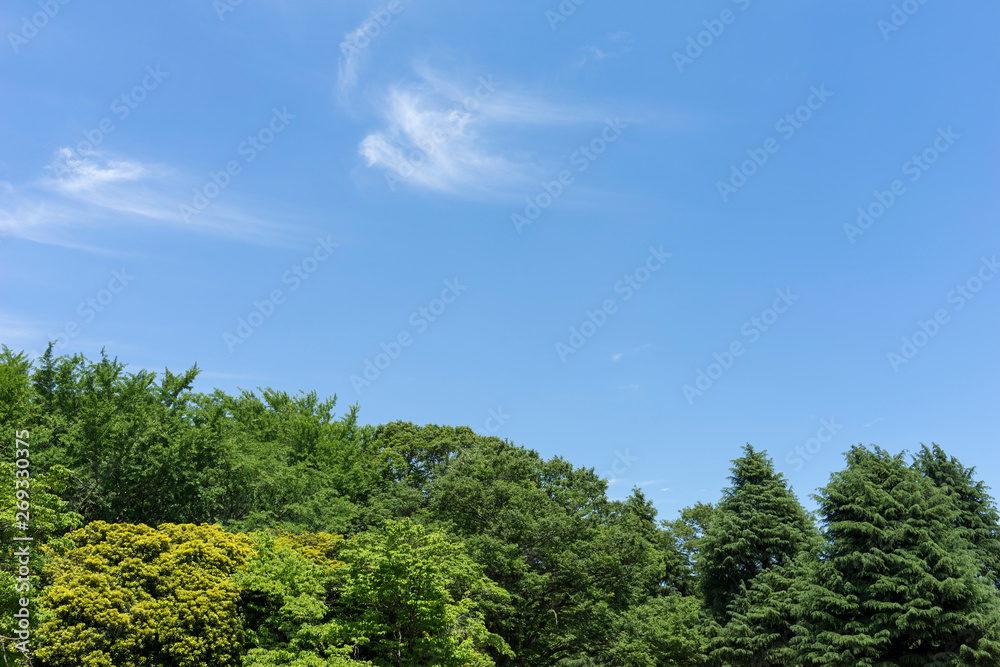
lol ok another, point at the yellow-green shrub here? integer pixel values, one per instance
(134, 596)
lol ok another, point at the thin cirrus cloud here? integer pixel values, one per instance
(354, 50)
(85, 193)
(470, 139)
(15, 330)
(27, 334)
(616, 44)
(461, 136)
(347, 75)
(617, 356)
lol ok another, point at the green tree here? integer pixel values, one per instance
(121, 434)
(285, 590)
(134, 595)
(15, 392)
(402, 595)
(681, 544)
(286, 461)
(28, 493)
(415, 596)
(405, 459)
(48, 520)
(758, 524)
(544, 530)
(977, 520)
(664, 631)
(762, 617)
(897, 581)
(247, 461)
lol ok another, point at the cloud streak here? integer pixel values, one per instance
(85, 193)
(471, 140)
(620, 44)
(15, 331)
(356, 43)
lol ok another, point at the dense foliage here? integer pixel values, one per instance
(170, 527)
(129, 594)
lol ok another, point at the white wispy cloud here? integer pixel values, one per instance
(616, 44)
(32, 335)
(435, 146)
(467, 139)
(617, 356)
(81, 193)
(354, 48)
(81, 175)
(347, 74)
(16, 331)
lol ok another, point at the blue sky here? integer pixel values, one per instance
(636, 236)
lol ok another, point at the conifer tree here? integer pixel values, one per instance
(978, 521)
(897, 582)
(759, 524)
(762, 617)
